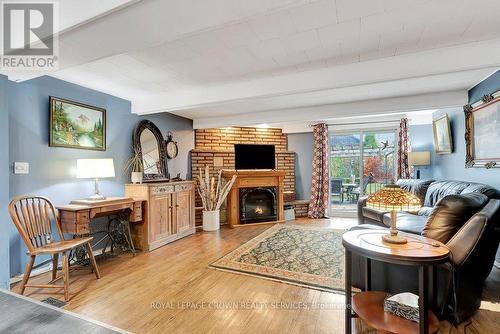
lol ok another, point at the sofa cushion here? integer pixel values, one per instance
(374, 214)
(425, 211)
(451, 213)
(482, 189)
(366, 227)
(407, 222)
(416, 187)
(440, 189)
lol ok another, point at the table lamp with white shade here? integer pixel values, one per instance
(95, 169)
(419, 159)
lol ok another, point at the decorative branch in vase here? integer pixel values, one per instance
(134, 164)
(212, 193)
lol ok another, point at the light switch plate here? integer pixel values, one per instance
(218, 162)
(21, 168)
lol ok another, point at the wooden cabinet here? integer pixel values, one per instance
(183, 212)
(168, 212)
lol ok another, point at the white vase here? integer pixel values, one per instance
(136, 177)
(211, 220)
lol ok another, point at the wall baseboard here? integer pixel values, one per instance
(44, 269)
(34, 272)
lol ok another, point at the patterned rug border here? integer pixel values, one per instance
(279, 280)
(247, 246)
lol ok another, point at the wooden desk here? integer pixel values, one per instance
(75, 217)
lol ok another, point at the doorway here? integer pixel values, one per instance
(361, 162)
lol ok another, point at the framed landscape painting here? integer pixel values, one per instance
(442, 135)
(76, 125)
(482, 132)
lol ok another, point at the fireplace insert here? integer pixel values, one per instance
(258, 205)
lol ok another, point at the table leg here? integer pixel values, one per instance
(368, 274)
(422, 300)
(348, 291)
(432, 288)
(129, 236)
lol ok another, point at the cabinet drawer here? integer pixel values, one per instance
(136, 213)
(162, 190)
(82, 217)
(82, 228)
(183, 187)
(75, 228)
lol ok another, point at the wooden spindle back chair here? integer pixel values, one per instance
(33, 217)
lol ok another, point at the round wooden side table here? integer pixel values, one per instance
(368, 305)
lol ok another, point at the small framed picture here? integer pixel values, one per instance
(76, 125)
(442, 135)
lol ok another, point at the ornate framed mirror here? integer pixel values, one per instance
(149, 142)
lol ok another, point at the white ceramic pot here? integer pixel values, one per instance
(136, 177)
(211, 220)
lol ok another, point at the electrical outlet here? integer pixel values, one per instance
(21, 168)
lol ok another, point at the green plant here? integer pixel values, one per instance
(134, 164)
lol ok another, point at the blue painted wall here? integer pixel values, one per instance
(302, 144)
(52, 170)
(4, 184)
(422, 140)
(452, 166)
(487, 86)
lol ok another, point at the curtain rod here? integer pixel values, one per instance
(356, 123)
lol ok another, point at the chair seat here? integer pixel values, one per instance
(61, 246)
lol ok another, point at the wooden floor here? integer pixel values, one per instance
(171, 290)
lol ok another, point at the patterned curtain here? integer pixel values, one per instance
(403, 169)
(318, 205)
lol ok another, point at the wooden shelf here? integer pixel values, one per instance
(369, 306)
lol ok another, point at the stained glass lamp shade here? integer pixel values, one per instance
(393, 198)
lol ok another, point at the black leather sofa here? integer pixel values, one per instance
(463, 215)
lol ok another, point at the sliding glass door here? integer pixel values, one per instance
(360, 163)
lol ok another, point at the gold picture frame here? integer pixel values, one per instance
(443, 143)
(481, 132)
(76, 125)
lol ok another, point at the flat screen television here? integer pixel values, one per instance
(249, 156)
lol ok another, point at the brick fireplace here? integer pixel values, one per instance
(215, 148)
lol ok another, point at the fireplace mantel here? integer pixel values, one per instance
(253, 179)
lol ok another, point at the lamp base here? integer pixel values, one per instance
(394, 239)
(96, 197)
(97, 193)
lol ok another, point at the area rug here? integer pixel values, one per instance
(296, 254)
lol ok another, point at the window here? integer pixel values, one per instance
(360, 163)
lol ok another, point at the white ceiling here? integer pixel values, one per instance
(75, 12)
(213, 60)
